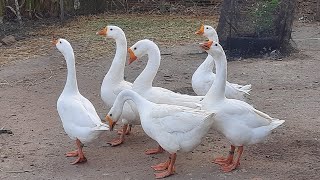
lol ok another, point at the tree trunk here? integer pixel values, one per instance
(2, 5)
(224, 28)
(76, 4)
(318, 11)
(30, 7)
(285, 22)
(18, 11)
(61, 11)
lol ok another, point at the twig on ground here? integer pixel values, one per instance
(6, 83)
(5, 131)
(22, 171)
(166, 54)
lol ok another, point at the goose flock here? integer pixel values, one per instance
(177, 122)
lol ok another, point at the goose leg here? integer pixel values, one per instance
(170, 169)
(79, 153)
(235, 163)
(127, 131)
(154, 151)
(225, 161)
(120, 140)
(120, 131)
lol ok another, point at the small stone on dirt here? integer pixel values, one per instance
(244, 170)
(8, 40)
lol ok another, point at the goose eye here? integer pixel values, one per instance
(110, 115)
(111, 29)
(134, 48)
(60, 42)
(216, 44)
(207, 28)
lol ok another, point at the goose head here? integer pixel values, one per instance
(208, 32)
(111, 32)
(63, 46)
(113, 116)
(140, 49)
(212, 48)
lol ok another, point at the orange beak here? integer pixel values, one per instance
(111, 122)
(103, 32)
(201, 30)
(54, 41)
(132, 57)
(206, 45)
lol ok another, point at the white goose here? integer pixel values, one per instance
(79, 117)
(238, 121)
(113, 82)
(175, 128)
(203, 77)
(143, 83)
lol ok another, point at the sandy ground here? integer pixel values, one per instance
(287, 89)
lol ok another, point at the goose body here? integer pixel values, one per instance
(79, 117)
(175, 128)
(113, 82)
(242, 124)
(238, 121)
(203, 77)
(143, 83)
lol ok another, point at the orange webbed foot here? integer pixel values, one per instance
(225, 161)
(116, 142)
(170, 169)
(79, 153)
(234, 164)
(164, 174)
(222, 161)
(72, 153)
(161, 166)
(79, 160)
(229, 168)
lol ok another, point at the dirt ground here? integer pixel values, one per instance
(287, 89)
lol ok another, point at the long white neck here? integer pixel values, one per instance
(146, 77)
(116, 71)
(208, 64)
(217, 90)
(126, 95)
(71, 84)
